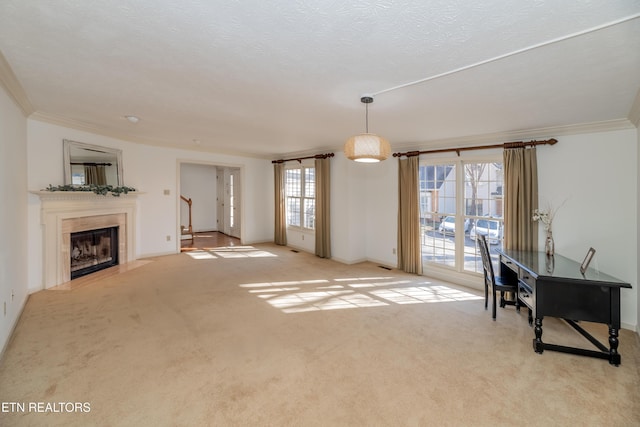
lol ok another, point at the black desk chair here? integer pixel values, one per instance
(493, 283)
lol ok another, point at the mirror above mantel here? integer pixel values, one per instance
(86, 164)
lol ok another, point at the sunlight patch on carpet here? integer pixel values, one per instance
(334, 294)
(198, 254)
(379, 284)
(424, 294)
(360, 279)
(230, 252)
(298, 302)
(288, 283)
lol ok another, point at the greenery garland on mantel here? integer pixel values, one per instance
(101, 190)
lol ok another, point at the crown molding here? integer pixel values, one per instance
(634, 113)
(523, 135)
(11, 84)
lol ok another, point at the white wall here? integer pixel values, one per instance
(382, 212)
(597, 176)
(199, 183)
(348, 210)
(13, 215)
(151, 170)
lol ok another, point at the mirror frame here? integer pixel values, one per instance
(68, 145)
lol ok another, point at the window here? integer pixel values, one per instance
(438, 212)
(458, 201)
(483, 208)
(300, 189)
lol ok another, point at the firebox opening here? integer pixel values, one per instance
(93, 250)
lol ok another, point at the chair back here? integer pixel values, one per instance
(487, 265)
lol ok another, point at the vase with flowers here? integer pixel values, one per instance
(545, 216)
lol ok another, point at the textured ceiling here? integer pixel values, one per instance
(271, 78)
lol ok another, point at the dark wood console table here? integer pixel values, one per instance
(554, 286)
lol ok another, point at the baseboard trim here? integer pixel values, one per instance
(347, 262)
(156, 254)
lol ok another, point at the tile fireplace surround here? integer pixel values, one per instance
(66, 212)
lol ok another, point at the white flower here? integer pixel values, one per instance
(545, 216)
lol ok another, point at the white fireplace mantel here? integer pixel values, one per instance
(63, 212)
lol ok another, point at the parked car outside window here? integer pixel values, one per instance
(448, 225)
(491, 229)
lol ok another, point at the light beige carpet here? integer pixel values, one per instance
(268, 337)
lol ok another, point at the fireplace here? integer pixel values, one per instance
(93, 250)
(65, 213)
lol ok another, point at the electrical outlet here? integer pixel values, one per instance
(167, 192)
(393, 250)
(168, 238)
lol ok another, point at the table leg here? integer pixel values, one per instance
(614, 356)
(537, 342)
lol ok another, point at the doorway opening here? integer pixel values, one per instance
(215, 203)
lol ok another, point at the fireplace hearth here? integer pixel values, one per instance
(93, 250)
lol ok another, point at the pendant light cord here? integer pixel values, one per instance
(366, 118)
(366, 100)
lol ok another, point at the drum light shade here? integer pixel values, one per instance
(367, 147)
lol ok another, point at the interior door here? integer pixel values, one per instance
(233, 204)
(220, 199)
(229, 201)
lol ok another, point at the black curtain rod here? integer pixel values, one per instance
(300, 159)
(515, 144)
(91, 164)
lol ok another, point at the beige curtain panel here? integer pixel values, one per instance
(101, 172)
(323, 217)
(280, 235)
(409, 249)
(520, 198)
(95, 174)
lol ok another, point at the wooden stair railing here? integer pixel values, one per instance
(187, 230)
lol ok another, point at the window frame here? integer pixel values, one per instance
(304, 200)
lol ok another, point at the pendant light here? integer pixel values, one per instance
(367, 147)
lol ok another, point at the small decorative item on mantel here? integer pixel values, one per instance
(546, 218)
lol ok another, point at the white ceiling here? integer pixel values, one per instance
(271, 78)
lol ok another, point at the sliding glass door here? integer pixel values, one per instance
(458, 201)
